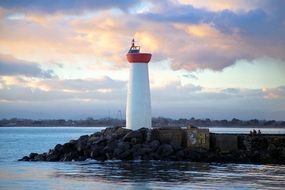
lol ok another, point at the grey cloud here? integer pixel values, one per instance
(248, 34)
(68, 89)
(65, 5)
(267, 20)
(85, 84)
(192, 76)
(181, 14)
(173, 100)
(12, 66)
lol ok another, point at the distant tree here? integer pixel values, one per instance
(253, 122)
(269, 123)
(235, 121)
(224, 122)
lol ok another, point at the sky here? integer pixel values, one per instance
(210, 59)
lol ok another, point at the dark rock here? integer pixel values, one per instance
(109, 132)
(97, 153)
(52, 157)
(137, 156)
(121, 132)
(102, 141)
(179, 156)
(154, 145)
(33, 155)
(152, 135)
(175, 146)
(25, 158)
(144, 132)
(145, 150)
(165, 150)
(136, 147)
(282, 153)
(92, 140)
(97, 134)
(83, 138)
(123, 145)
(192, 155)
(69, 156)
(134, 137)
(67, 147)
(126, 155)
(58, 147)
(154, 156)
(81, 143)
(40, 157)
(148, 144)
(118, 152)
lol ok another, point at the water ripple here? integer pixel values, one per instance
(184, 174)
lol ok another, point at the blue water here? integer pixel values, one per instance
(87, 175)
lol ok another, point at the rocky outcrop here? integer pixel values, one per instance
(118, 143)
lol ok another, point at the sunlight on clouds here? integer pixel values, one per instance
(147, 41)
(201, 30)
(26, 82)
(3, 13)
(43, 87)
(104, 35)
(104, 90)
(196, 61)
(10, 80)
(274, 93)
(269, 94)
(41, 20)
(220, 5)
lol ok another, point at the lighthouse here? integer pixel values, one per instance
(138, 113)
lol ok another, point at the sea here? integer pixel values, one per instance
(16, 142)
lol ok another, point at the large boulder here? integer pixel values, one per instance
(121, 132)
(165, 150)
(134, 137)
(68, 147)
(81, 143)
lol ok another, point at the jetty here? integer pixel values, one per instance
(169, 144)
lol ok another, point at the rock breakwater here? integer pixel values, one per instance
(118, 143)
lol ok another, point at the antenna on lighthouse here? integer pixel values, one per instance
(134, 49)
(133, 42)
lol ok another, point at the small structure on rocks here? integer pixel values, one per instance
(198, 138)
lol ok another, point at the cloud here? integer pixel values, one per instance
(27, 89)
(274, 93)
(224, 103)
(235, 5)
(192, 38)
(216, 39)
(65, 5)
(256, 23)
(97, 96)
(11, 66)
(179, 13)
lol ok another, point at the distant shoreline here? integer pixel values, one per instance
(57, 126)
(251, 127)
(156, 122)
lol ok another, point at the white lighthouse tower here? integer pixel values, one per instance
(138, 99)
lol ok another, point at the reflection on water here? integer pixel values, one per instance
(154, 174)
(140, 171)
(90, 175)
